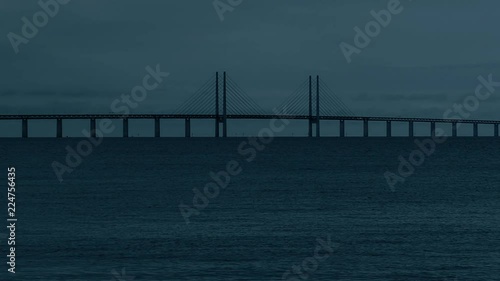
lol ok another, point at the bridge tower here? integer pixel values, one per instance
(224, 107)
(314, 119)
(318, 133)
(221, 119)
(219, 99)
(313, 107)
(217, 117)
(310, 134)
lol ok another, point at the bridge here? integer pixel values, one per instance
(222, 99)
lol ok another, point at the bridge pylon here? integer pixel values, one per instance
(217, 118)
(224, 107)
(221, 119)
(314, 114)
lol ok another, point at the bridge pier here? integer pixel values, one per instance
(342, 128)
(220, 120)
(411, 129)
(476, 131)
(454, 131)
(224, 128)
(224, 108)
(25, 128)
(496, 129)
(388, 126)
(59, 129)
(365, 128)
(433, 129)
(187, 128)
(217, 127)
(157, 128)
(125, 127)
(318, 130)
(93, 133)
(310, 134)
(217, 118)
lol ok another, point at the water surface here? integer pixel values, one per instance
(119, 210)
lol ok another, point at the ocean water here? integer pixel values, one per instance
(116, 216)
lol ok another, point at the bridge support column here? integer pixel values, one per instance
(318, 130)
(342, 128)
(310, 134)
(25, 128)
(365, 128)
(224, 128)
(454, 132)
(187, 128)
(496, 129)
(125, 127)
(157, 128)
(217, 118)
(59, 128)
(224, 108)
(411, 127)
(93, 128)
(433, 129)
(217, 127)
(388, 126)
(476, 134)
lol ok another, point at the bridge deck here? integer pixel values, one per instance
(272, 116)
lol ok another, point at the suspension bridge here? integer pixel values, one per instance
(221, 99)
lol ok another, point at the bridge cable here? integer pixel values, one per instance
(201, 103)
(339, 108)
(334, 96)
(293, 98)
(253, 105)
(205, 105)
(243, 101)
(189, 102)
(197, 104)
(193, 97)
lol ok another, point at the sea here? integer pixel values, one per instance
(250, 209)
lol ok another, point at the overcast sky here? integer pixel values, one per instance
(92, 51)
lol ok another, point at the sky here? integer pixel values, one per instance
(426, 59)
